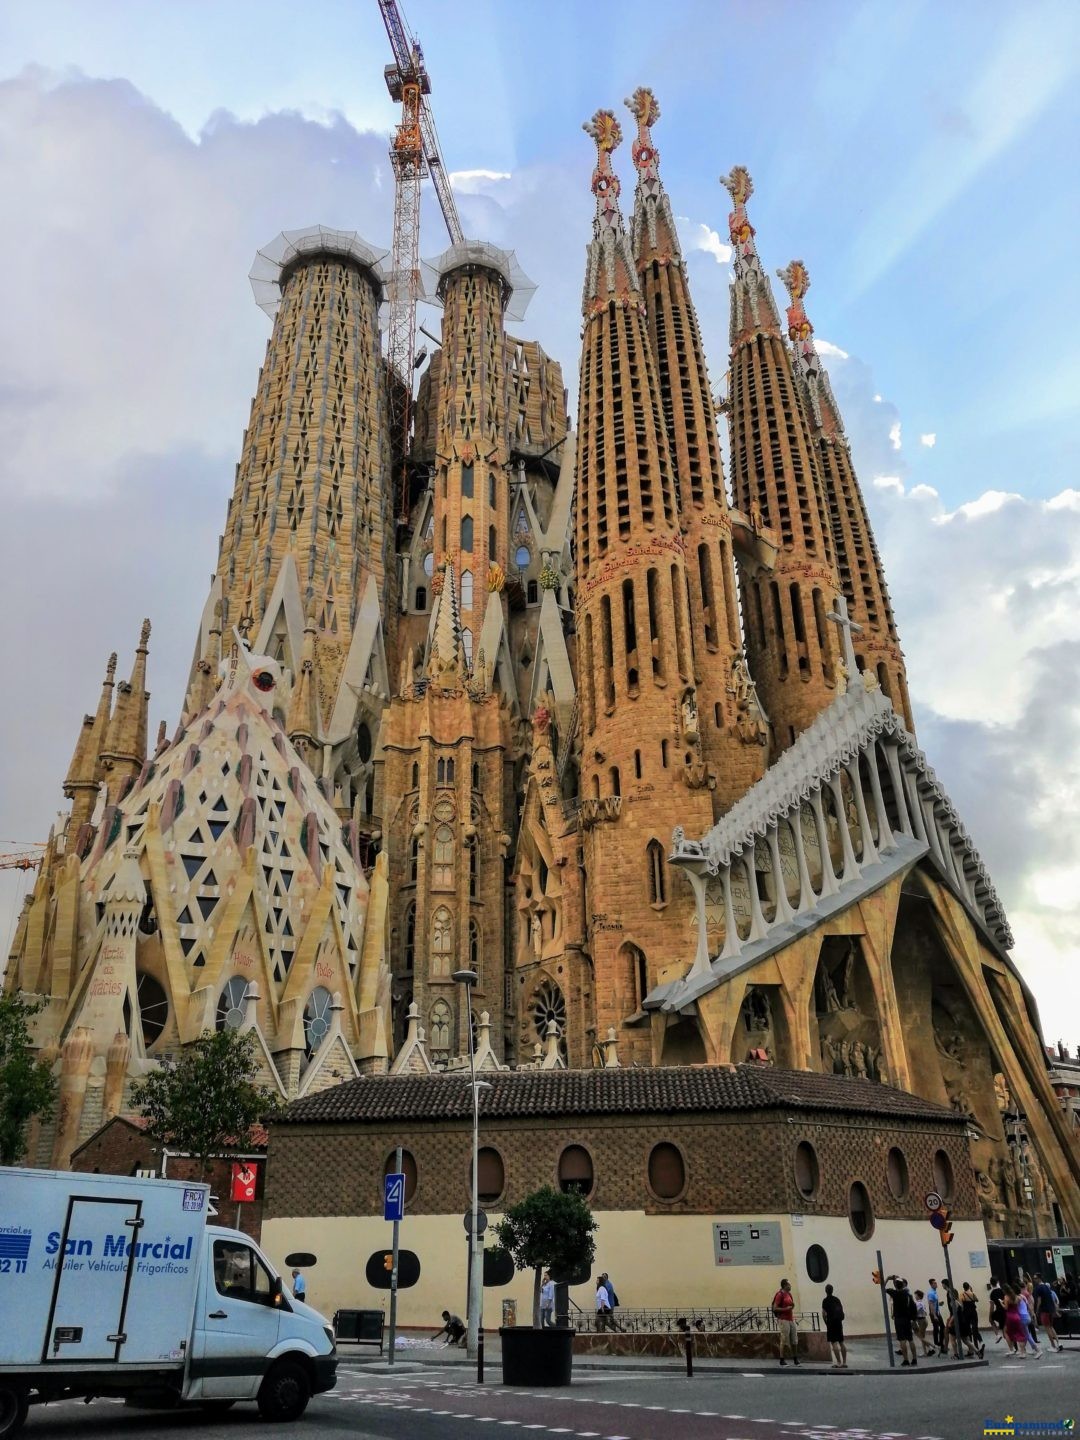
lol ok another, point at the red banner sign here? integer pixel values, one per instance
(245, 1177)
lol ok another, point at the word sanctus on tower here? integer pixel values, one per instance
(638, 751)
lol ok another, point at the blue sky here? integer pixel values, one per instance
(919, 157)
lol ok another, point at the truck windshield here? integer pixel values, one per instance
(240, 1274)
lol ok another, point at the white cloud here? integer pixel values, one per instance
(826, 347)
(877, 399)
(470, 182)
(697, 236)
(894, 435)
(929, 440)
(889, 482)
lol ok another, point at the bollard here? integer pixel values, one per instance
(480, 1357)
(689, 1357)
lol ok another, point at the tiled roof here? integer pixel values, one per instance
(521, 1094)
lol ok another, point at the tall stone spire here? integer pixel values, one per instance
(862, 575)
(776, 479)
(124, 752)
(733, 735)
(640, 728)
(302, 722)
(84, 772)
(445, 659)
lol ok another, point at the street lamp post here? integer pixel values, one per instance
(467, 979)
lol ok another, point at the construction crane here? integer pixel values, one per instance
(414, 154)
(28, 857)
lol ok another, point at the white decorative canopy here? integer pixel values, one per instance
(520, 289)
(274, 259)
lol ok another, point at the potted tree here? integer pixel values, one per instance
(546, 1230)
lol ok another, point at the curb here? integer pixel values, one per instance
(701, 1367)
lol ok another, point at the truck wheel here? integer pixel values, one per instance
(14, 1403)
(285, 1392)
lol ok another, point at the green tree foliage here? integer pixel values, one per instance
(203, 1102)
(548, 1230)
(27, 1085)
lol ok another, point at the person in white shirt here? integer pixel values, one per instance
(603, 1307)
(547, 1302)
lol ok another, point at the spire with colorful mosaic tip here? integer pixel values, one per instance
(610, 272)
(652, 231)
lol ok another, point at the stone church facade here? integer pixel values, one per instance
(549, 705)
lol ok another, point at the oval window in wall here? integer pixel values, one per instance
(896, 1171)
(817, 1264)
(667, 1171)
(492, 1175)
(575, 1171)
(860, 1211)
(807, 1170)
(943, 1175)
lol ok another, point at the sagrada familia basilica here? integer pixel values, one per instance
(636, 749)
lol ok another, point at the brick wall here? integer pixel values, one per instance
(743, 1163)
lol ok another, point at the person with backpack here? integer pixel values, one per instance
(783, 1307)
(833, 1310)
(904, 1314)
(1047, 1308)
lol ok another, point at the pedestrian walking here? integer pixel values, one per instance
(1016, 1332)
(903, 1309)
(997, 1310)
(299, 1285)
(1046, 1308)
(921, 1322)
(833, 1310)
(1023, 1304)
(969, 1322)
(613, 1299)
(783, 1307)
(933, 1305)
(547, 1302)
(603, 1306)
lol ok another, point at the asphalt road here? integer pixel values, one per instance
(753, 1405)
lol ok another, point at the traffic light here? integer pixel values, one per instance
(875, 1275)
(946, 1233)
(388, 1261)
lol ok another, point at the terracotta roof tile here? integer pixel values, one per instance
(551, 1093)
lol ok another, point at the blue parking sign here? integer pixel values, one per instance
(394, 1197)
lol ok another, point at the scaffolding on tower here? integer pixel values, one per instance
(414, 155)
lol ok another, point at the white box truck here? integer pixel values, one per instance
(117, 1286)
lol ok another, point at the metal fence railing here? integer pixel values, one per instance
(734, 1320)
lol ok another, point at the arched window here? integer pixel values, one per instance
(429, 565)
(466, 590)
(576, 1175)
(230, 1005)
(409, 956)
(807, 1170)
(943, 1175)
(441, 1021)
(476, 775)
(860, 1211)
(414, 858)
(667, 1171)
(532, 593)
(415, 774)
(467, 481)
(896, 1171)
(492, 543)
(421, 597)
(522, 557)
(442, 941)
(442, 869)
(317, 1018)
(474, 946)
(657, 869)
(637, 764)
(440, 771)
(466, 533)
(466, 644)
(153, 1006)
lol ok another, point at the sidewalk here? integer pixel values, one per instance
(865, 1357)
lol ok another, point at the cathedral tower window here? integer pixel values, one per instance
(230, 1006)
(317, 1017)
(442, 871)
(608, 656)
(637, 764)
(493, 544)
(444, 771)
(473, 847)
(822, 638)
(708, 599)
(532, 593)
(409, 953)
(421, 597)
(153, 1006)
(466, 590)
(441, 1023)
(657, 873)
(656, 634)
(476, 775)
(467, 482)
(414, 858)
(491, 491)
(415, 774)
(467, 533)
(474, 946)
(467, 644)
(613, 776)
(442, 942)
(522, 557)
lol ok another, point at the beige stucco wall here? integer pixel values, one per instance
(654, 1260)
